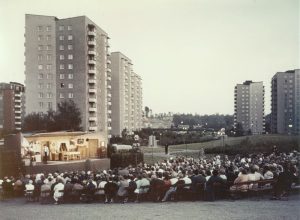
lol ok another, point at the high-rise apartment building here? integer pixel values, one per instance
(126, 95)
(249, 107)
(11, 106)
(68, 59)
(285, 102)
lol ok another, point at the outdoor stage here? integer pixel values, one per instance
(62, 166)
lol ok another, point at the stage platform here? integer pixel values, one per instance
(63, 166)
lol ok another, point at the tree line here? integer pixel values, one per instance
(66, 117)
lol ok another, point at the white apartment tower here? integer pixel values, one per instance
(126, 95)
(68, 59)
(249, 107)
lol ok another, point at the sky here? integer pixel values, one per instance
(189, 53)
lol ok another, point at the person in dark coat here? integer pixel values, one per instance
(110, 189)
(214, 184)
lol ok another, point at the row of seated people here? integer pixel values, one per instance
(157, 186)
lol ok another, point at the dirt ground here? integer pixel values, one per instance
(261, 208)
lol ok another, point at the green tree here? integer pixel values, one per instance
(239, 131)
(34, 122)
(68, 116)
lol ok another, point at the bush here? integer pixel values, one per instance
(247, 146)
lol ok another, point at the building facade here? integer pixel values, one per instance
(285, 102)
(249, 107)
(68, 59)
(11, 106)
(126, 95)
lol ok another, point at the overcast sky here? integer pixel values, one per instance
(189, 53)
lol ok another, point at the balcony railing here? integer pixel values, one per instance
(92, 109)
(91, 52)
(93, 62)
(93, 100)
(92, 71)
(92, 33)
(92, 42)
(92, 118)
(92, 90)
(94, 128)
(92, 81)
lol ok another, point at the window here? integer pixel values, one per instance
(41, 104)
(48, 28)
(41, 95)
(61, 28)
(61, 47)
(49, 105)
(70, 47)
(40, 57)
(49, 66)
(49, 57)
(40, 85)
(49, 95)
(62, 85)
(70, 37)
(70, 56)
(61, 95)
(71, 95)
(49, 85)
(61, 66)
(40, 37)
(48, 47)
(39, 28)
(49, 76)
(69, 27)
(61, 37)
(40, 67)
(61, 76)
(70, 86)
(40, 76)
(40, 47)
(48, 37)
(70, 76)
(70, 66)
(61, 57)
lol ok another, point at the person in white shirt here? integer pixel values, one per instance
(59, 187)
(29, 186)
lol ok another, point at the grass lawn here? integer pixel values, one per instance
(230, 141)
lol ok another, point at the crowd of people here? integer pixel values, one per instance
(171, 179)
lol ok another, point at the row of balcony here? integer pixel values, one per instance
(92, 81)
(92, 52)
(92, 42)
(92, 62)
(93, 128)
(92, 33)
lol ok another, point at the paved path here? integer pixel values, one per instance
(245, 209)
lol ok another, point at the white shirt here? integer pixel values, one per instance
(173, 181)
(29, 187)
(58, 187)
(46, 150)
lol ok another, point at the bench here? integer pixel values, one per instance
(252, 188)
(142, 193)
